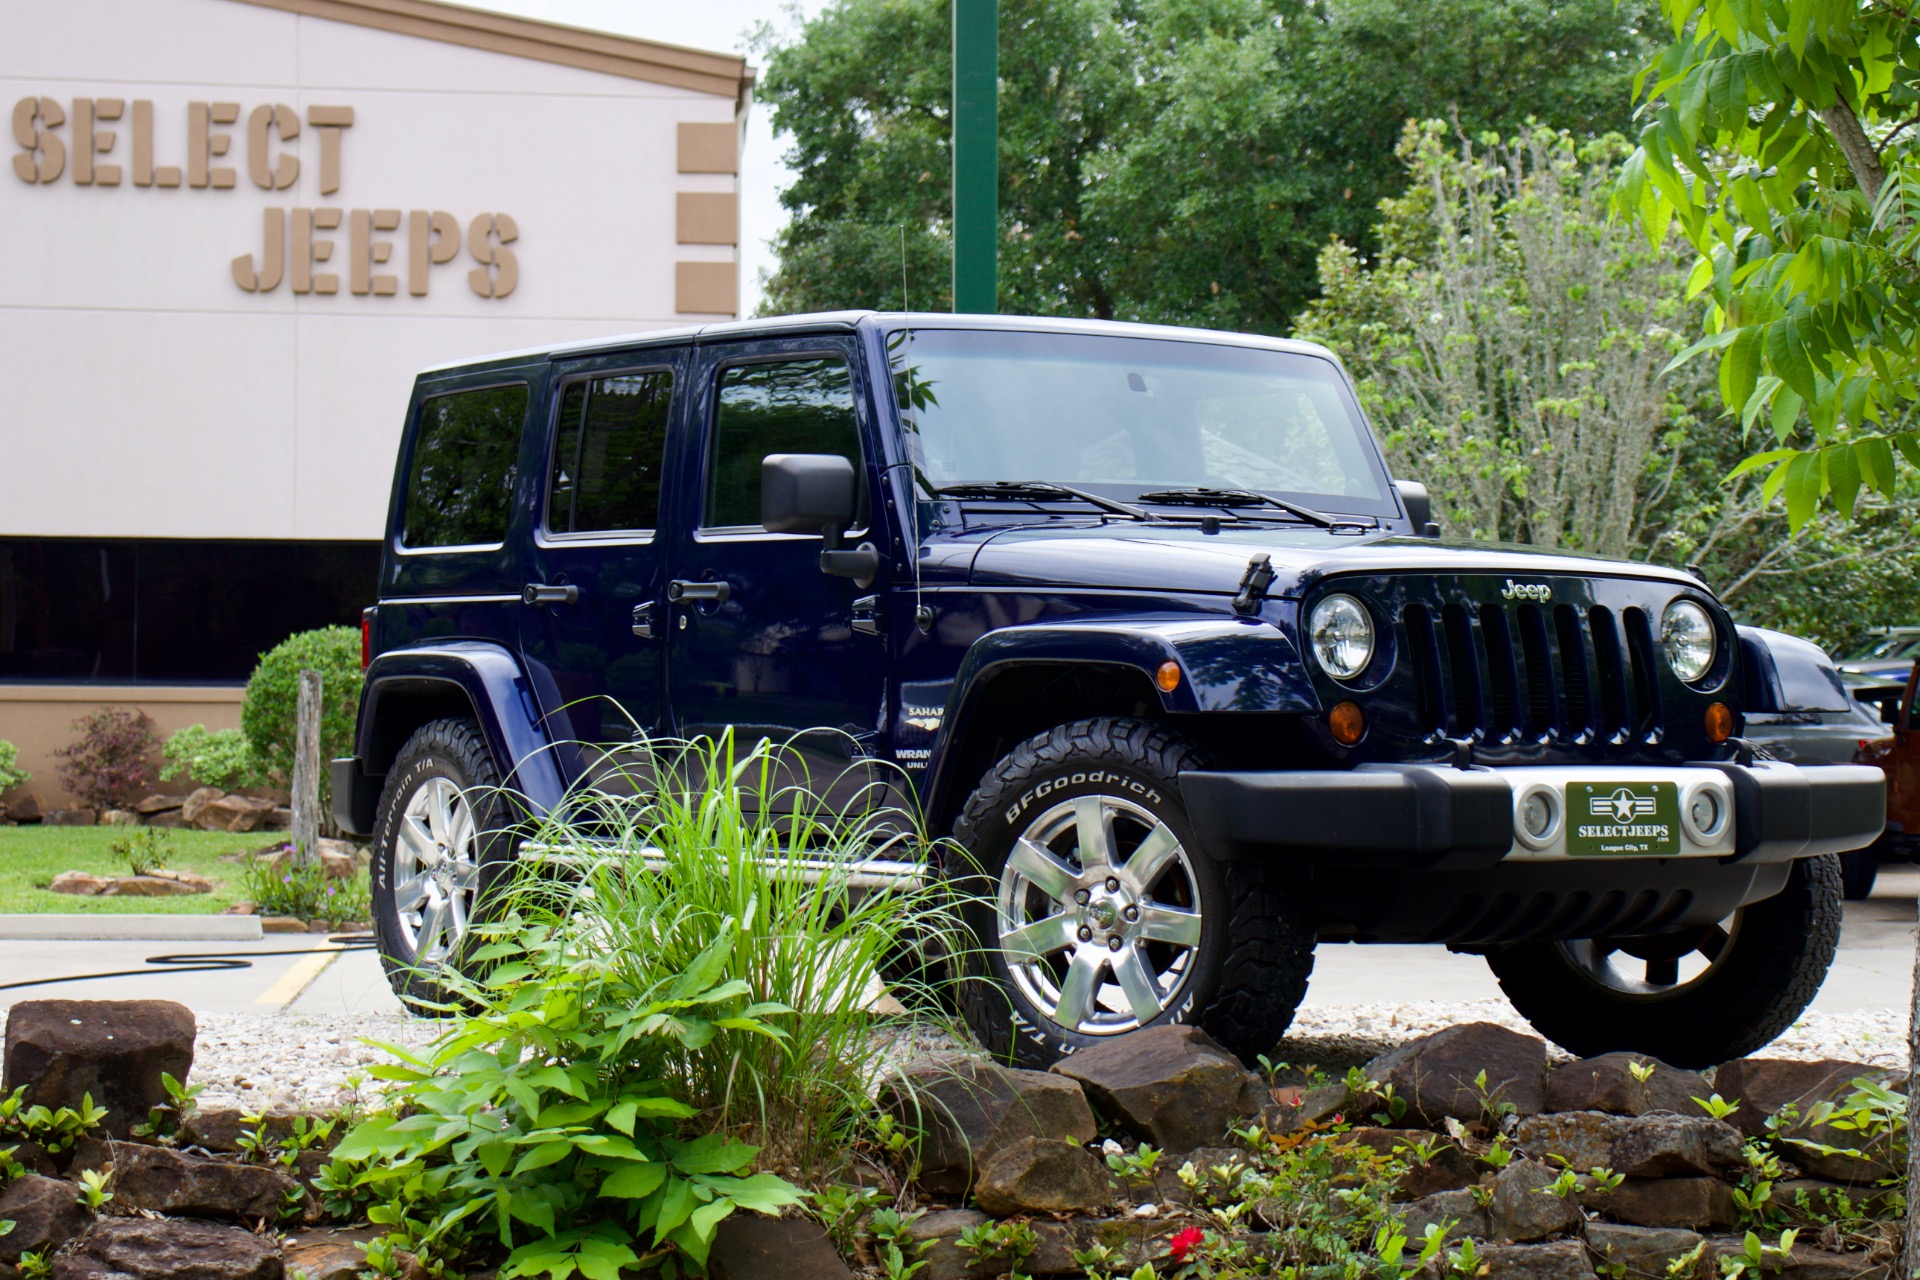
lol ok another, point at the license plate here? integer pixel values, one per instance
(1610, 819)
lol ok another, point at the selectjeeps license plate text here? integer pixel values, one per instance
(1612, 818)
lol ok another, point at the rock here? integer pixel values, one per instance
(966, 1110)
(282, 924)
(45, 1215)
(1293, 1109)
(339, 864)
(1645, 1252)
(70, 817)
(197, 800)
(1208, 1162)
(1042, 1175)
(1171, 1085)
(1664, 1145)
(155, 886)
(1457, 1210)
(1806, 1262)
(331, 1253)
(1809, 1199)
(32, 1157)
(181, 1184)
(1607, 1083)
(1523, 1209)
(171, 818)
(80, 882)
(231, 813)
(158, 804)
(1696, 1203)
(280, 818)
(1448, 1170)
(935, 1234)
(192, 879)
(748, 1246)
(1762, 1086)
(1561, 1260)
(220, 1130)
(115, 1050)
(119, 818)
(25, 808)
(1584, 1139)
(155, 1249)
(1438, 1074)
(1134, 1242)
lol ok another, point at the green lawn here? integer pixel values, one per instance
(31, 856)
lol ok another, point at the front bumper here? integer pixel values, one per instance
(1431, 817)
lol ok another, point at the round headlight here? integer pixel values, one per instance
(1341, 633)
(1686, 633)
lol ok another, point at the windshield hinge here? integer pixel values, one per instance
(1253, 585)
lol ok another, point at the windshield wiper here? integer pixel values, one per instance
(1201, 496)
(1037, 491)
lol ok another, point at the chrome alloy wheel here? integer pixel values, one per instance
(1098, 915)
(1655, 967)
(436, 871)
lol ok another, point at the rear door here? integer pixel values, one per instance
(591, 628)
(761, 641)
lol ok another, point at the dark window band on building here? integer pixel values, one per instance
(168, 611)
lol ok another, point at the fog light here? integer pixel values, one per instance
(1348, 722)
(1168, 676)
(1536, 817)
(1706, 815)
(1719, 722)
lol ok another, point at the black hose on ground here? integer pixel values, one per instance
(205, 962)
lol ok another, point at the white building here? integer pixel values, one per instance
(235, 229)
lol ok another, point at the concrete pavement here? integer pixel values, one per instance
(1874, 969)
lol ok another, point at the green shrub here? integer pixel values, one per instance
(308, 892)
(11, 774)
(211, 757)
(273, 698)
(651, 1040)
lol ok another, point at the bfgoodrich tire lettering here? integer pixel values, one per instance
(440, 847)
(1771, 966)
(1146, 931)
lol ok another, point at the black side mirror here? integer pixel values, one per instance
(1413, 496)
(817, 493)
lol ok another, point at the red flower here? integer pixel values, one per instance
(1185, 1242)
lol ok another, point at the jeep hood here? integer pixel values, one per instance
(1128, 558)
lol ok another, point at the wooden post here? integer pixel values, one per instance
(306, 772)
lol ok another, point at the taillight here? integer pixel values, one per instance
(366, 637)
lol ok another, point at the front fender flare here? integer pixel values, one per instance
(1226, 665)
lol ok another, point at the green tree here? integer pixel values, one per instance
(1512, 344)
(1781, 140)
(1165, 160)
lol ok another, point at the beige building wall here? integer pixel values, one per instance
(39, 718)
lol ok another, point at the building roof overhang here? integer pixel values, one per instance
(720, 74)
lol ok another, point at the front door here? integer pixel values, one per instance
(590, 616)
(761, 641)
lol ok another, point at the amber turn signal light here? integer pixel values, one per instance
(1168, 676)
(1348, 722)
(1719, 722)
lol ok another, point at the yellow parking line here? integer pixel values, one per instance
(298, 975)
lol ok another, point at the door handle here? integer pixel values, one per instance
(643, 620)
(679, 589)
(542, 593)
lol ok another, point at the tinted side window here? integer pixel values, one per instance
(607, 454)
(466, 451)
(794, 406)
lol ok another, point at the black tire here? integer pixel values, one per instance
(1858, 871)
(439, 753)
(1241, 981)
(1762, 979)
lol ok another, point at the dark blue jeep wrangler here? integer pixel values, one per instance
(1141, 618)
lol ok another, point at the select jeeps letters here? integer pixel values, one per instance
(1141, 619)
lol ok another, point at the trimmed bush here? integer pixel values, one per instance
(273, 699)
(211, 757)
(110, 764)
(11, 774)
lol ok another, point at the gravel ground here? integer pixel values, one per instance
(256, 1061)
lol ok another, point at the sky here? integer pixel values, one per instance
(720, 26)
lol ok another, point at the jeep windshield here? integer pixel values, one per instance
(1138, 420)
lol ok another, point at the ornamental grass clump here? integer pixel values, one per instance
(678, 1025)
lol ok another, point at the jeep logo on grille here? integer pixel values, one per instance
(1527, 591)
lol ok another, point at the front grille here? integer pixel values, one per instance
(1518, 672)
